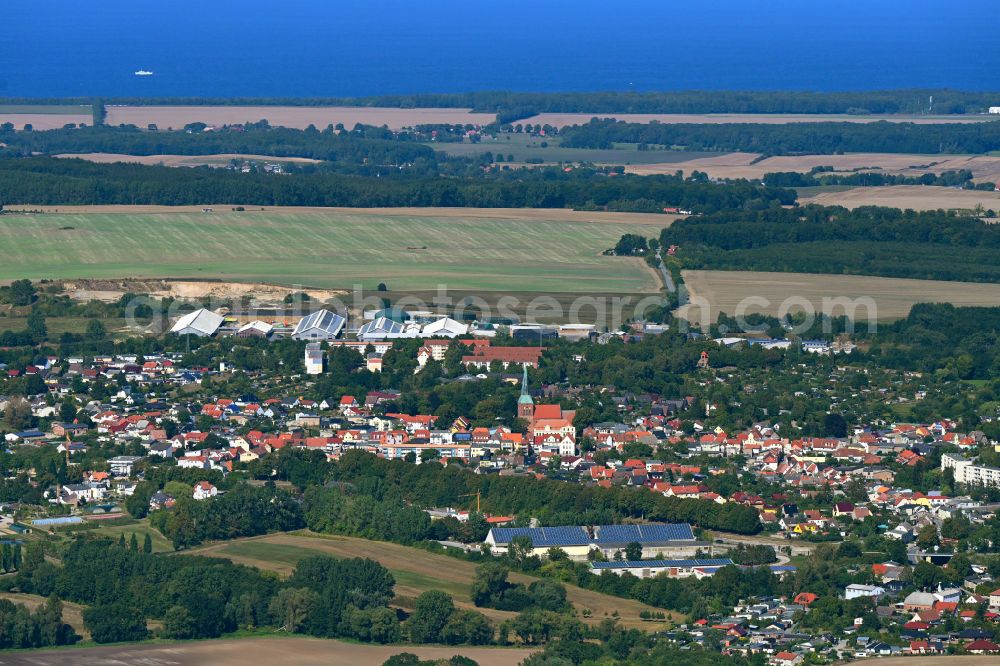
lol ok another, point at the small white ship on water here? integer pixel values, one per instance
(143, 72)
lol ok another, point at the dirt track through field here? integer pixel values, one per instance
(299, 117)
(291, 651)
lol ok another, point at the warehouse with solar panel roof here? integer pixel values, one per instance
(658, 540)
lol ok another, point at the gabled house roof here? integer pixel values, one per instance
(321, 323)
(200, 322)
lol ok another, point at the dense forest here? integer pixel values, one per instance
(817, 239)
(50, 181)
(792, 138)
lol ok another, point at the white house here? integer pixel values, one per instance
(995, 109)
(314, 359)
(856, 590)
(204, 490)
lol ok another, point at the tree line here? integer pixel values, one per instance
(817, 239)
(819, 176)
(349, 147)
(946, 101)
(791, 138)
(49, 181)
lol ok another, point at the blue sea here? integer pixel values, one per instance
(229, 48)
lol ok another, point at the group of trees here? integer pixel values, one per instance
(490, 588)
(10, 556)
(791, 138)
(243, 511)
(203, 597)
(43, 180)
(22, 628)
(819, 176)
(818, 239)
(552, 502)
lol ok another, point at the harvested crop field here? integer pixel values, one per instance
(917, 197)
(743, 165)
(300, 117)
(724, 291)
(415, 570)
(517, 250)
(220, 160)
(45, 121)
(931, 660)
(565, 119)
(289, 651)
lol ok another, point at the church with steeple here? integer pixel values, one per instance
(550, 427)
(525, 405)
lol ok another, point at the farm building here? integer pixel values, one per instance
(656, 539)
(320, 325)
(446, 327)
(383, 328)
(256, 329)
(202, 323)
(653, 568)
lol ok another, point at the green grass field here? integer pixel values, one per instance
(524, 147)
(59, 325)
(514, 252)
(140, 528)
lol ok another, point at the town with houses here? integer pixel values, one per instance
(810, 495)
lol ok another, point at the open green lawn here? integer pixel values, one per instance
(536, 251)
(524, 147)
(140, 528)
(59, 325)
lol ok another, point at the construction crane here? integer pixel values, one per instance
(478, 495)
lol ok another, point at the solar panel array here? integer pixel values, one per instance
(650, 533)
(605, 535)
(662, 564)
(543, 537)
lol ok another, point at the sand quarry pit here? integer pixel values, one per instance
(299, 117)
(112, 290)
